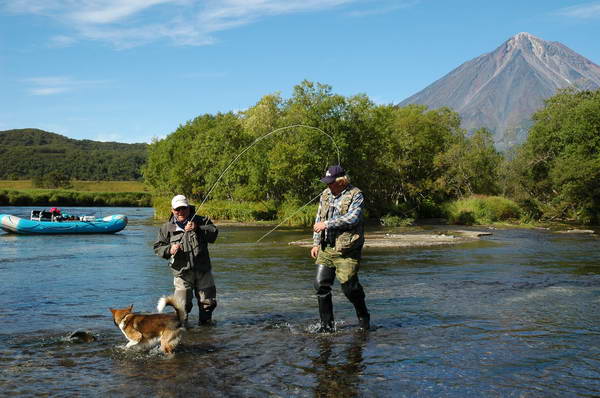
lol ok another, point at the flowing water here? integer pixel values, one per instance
(514, 314)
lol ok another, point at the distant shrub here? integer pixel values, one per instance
(16, 198)
(482, 210)
(41, 198)
(396, 221)
(4, 199)
(244, 211)
(294, 214)
(47, 197)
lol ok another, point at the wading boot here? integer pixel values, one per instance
(326, 314)
(205, 312)
(364, 323)
(356, 295)
(364, 318)
(362, 313)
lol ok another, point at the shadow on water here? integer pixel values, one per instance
(338, 367)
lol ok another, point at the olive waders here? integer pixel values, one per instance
(353, 291)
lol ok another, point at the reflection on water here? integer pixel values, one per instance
(515, 314)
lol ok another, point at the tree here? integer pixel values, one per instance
(470, 166)
(559, 164)
(53, 179)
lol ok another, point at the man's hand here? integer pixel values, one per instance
(319, 226)
(174, 248)
(190, 226)
(314, 252)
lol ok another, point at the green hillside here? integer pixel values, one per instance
(27, 153)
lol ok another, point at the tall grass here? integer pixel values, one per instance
(479, 209)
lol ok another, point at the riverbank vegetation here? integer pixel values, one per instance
(412, 162)
(83, 193)
(77, 185)
(264, 163)
(59, 197)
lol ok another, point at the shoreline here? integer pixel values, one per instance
(411, 239)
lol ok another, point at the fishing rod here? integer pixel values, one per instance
(293, 214)
(247, 149)
(254, 143)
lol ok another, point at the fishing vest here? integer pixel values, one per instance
(348, 239)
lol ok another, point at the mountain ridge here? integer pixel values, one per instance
(500, 90)
(28, 153)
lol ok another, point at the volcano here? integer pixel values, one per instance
(501, 90)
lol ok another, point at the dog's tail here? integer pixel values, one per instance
(173, 302)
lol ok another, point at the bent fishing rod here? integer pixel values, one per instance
(254, 143)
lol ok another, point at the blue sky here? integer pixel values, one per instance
(132, 70)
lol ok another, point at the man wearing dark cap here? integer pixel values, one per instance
(337, 245)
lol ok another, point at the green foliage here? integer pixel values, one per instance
(558, 167)
(394, 154)
(55, 197)
(471, 166)
(396, 221)
(295, 213)
(481, 209)
(221, 210)
(28, 153)
(53, 179)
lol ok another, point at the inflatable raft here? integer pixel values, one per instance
(84, 225)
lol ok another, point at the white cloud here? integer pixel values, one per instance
(184, 22)
(109, 137)
(582, 11)
(61, 41)
(383, 8)
(50, 85)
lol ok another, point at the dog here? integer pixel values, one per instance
(144, 330)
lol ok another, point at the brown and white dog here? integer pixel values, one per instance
(143, 330)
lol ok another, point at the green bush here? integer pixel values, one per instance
(16, 198)
(396, 221)
(482, 210)
(294, 214)
(4, 199)
(53, 197)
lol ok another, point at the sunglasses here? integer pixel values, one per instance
(182, 208)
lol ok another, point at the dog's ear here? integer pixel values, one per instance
(112, 310)
(130, 308)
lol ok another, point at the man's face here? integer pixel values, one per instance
(336, 187)
(181, 213)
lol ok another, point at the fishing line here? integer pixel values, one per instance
(257, 141)
(293, 214)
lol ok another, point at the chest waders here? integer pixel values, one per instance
(346, 245)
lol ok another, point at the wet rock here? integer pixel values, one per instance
(81, 336)
(577, 231)
(412, 239)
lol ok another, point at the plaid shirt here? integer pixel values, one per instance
(337, 221)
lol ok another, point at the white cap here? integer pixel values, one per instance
(179, 201)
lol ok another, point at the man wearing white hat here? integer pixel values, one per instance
(184, 241)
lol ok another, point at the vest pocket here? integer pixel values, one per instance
(347, 241)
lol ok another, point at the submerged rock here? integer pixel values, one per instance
(81, 336)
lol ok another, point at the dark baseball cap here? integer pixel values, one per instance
(332, 173)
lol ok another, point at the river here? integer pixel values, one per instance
(515, 314)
